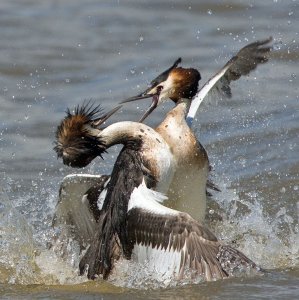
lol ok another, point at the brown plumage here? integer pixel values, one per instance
(76, 141)
(185, 83)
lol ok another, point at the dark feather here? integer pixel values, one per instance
(112, 226)
(89, 110)
(93, 193)
(163, 76)
(204, 253)
(75, 143)
(245, 61)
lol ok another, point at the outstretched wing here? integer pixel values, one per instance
(173, 243)
(245, 61)
(77, 207)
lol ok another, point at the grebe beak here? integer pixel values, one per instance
(145, 95)
(141, 96)
(104, 118)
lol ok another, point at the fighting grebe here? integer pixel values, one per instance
(186, 193)
(131, 223)
(78, 141)
(188, 187)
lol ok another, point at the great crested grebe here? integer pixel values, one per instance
(77, 143)
(188, 187)
(131, 224)
(187, 191)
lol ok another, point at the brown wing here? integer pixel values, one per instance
(200, 250)
(245, 61)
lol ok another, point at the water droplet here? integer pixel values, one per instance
(242, 161)
(33, 183)
(277, 46)
(12, 280)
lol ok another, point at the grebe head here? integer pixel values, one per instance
(175, 83)
(76, 136)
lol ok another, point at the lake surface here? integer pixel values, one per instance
(55, 54)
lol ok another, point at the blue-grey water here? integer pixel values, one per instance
(55, 54)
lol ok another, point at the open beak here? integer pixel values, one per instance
(145, 95)
(104, 118)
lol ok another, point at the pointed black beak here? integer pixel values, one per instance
(145, 95)
(104, 118)
(141, 96)
(151, 108)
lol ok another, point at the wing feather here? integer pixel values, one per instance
(245, 61)
(177, 232)
(197, 253)
(78, 216)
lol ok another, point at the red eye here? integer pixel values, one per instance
(159, 89)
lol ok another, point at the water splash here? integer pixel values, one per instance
(131, 274)
(16, 244)
(22, 258)
(272, 242)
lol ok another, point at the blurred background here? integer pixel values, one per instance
(56, 54)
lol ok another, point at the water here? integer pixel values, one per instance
(55, 54)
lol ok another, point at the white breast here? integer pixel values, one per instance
(156, 152)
